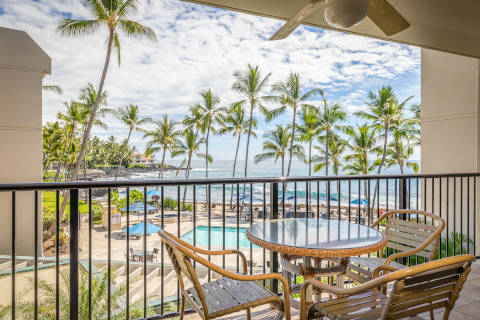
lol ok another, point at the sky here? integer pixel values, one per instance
(199, 47)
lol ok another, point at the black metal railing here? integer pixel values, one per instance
(206, 217)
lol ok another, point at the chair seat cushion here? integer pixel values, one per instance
(227, 294)
(365, 305)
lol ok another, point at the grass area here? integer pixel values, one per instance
(49, 202)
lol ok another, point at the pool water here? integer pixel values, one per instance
(216, 237)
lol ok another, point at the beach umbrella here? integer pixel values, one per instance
(138, 207)
(152, 193)
(361, 201)
(138, 229)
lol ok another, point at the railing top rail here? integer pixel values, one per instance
(211, 181)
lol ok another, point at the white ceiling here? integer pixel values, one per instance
(446, 25)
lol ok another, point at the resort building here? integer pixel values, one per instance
(140, 158)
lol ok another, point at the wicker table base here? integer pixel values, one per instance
(309, 268)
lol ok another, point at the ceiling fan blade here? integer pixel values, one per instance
(384, 15)
(297, 19)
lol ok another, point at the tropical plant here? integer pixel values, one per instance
(401, 148)
(99, 310)
(208, 110)
(250, 83)
(53, 140)
(290, 93)
(309, 130)
(330, 118)
(385, 112)
(277, 144)
(114, 15)
(53, 88)
(334, 154)
(164, 137)
(130, 116)
(234, 122)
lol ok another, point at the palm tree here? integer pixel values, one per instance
(188, 146)
(330, 117)
(250, 83)
(53, 88)
(53, 140)
(290, 93)
(164, 137)
(70, 118)
(208, 112)
(401, 148)
(130, 116)
(309, 129)
(362, 143)
(277, 144)
(384, 113)
(114, 15)
(334, 154)
(234, 122)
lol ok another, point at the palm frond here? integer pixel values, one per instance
(136, 30)
(72, 28)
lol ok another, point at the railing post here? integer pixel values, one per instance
(74, 226)
(274, 215)
(403, 193)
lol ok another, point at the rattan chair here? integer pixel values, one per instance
(232, 293)
(409, 233)
(419, 289)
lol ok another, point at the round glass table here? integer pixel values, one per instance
(315, 247)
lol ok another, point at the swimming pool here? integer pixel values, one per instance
(216, 234)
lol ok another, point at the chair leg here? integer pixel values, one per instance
(182, 307)
(249, 316)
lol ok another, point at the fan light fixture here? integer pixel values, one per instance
(346, 13)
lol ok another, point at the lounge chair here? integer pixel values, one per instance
(232, 293)
(414, 237)
(418, 289)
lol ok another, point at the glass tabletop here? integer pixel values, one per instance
(315, 233)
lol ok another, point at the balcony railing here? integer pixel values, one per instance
(212, 213)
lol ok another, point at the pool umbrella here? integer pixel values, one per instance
(138, 229)
(152, 193)
(361, 201)
(138, 207)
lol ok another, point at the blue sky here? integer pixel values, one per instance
(200, 47)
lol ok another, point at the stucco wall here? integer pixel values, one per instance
(450, 111)
(22, 66)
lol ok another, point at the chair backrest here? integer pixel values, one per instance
(433, 285)
(410, 229)
(181, 258)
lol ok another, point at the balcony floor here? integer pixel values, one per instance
(466, 308)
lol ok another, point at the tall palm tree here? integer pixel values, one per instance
(385, 112)
(163, 138)
(334, 153)
(234, 122)
(330, 117)
(401, 148)
(362, 143)
(70, 119)
(309, 129)
(277, 144)
(53, 140)
(188, 145)
(130, 116)
(250, 83)
(208, 111)
(115, 16)
(290, 93)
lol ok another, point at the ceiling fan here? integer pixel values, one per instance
(348, 13)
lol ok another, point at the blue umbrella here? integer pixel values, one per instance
(139, 228)
(138, 207)
(288, 197)
(362, 201)
(151, 193)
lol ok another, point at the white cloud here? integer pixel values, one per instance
(199, 47)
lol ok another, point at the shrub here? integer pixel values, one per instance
(169, 203)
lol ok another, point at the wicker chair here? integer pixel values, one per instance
(231, 293)
(406, 237)
(422, 288)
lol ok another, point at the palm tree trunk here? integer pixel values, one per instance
(125, 146)
(291, 142)
(309, 170)
(326, 153)
(206, 151)
(90, 123)
(248, 140)
(385, 141)
(187, 171)
(283, 169)
(57, 175)
(163, 162)
(70, 142)
(234, 168)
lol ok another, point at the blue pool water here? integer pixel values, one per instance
(216, 236)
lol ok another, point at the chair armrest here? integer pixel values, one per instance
(376, 272)
(217, 253)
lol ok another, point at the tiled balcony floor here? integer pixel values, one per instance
(466, 308)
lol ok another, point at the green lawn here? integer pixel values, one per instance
(49, 200)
